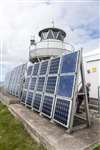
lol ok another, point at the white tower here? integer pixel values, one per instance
(51, 44)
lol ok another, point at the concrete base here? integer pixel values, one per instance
(52, 136)
(6, 98)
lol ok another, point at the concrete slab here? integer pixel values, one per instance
(6, 98)
(54, 137)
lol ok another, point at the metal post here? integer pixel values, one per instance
(70, 129)
(85, 91)
(99, 100)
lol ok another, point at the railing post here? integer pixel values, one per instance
(99, 100)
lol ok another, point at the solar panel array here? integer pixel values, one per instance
(26, 84)
(13, 80)
(49, 87)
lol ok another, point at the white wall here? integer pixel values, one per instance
(92, 64)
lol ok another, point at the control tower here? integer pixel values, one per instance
(51, 44)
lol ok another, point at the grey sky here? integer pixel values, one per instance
(20, 19)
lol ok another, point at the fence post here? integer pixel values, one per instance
(99, 100)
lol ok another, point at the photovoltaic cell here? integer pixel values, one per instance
(54, 65)
(51, 83)
(37, 101)
(43, 69)
(47, 105)
(40, 84)
(35, 70)
(32, 83)
(29, 70)
(26, 83)
(29, 98)
(23, 98)
(69, 63)
(62, 111)
(65, 86)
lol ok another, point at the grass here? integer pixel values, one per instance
(97, 147)
(13, 135)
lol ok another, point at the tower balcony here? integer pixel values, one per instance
(48, 48)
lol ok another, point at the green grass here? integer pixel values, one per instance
(13, 135)
(97, 147)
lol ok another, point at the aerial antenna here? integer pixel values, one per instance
(53, 23)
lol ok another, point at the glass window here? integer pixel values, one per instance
(59, 37)
(45, 35)
(55, 34)
(50, 35)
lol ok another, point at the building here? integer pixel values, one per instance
(51, 44)
(92, 71)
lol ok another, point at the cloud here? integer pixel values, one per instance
(23, 18)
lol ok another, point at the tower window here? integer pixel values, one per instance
(50, 35)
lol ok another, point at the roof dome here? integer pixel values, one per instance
(52, 33)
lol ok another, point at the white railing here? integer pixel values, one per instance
(52, 44)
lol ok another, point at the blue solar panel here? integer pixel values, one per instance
(37, 101)
(29, 70)
(62, 111)
(51, 84)
(29, 98)
(32, 83)
(26, 83)
(47, 105)
(43, 69)
(40, 84)
(65, 87)
(54, 65)
(69, 62)
(35, 70)
(23, 98)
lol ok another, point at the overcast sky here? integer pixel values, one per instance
(20, 19)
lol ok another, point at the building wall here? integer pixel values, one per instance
(92, 71)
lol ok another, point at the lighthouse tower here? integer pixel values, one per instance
(51, 44)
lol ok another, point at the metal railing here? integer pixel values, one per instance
(52, 44)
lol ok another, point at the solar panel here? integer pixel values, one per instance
(62, 111)
(29, 98)
(54, 66)
(65, 86)
(29, 70)
(50, 87)
(44, 66)
(51, 84)
(47, 105)
(27, 83)
(40, 84)
(19, 81)
(69, 63)
(32, 83)
(16, 79)
(35, 70)
(37, 101)
(23, 98)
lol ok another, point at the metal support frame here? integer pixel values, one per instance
(81, 69)
(85, 92)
